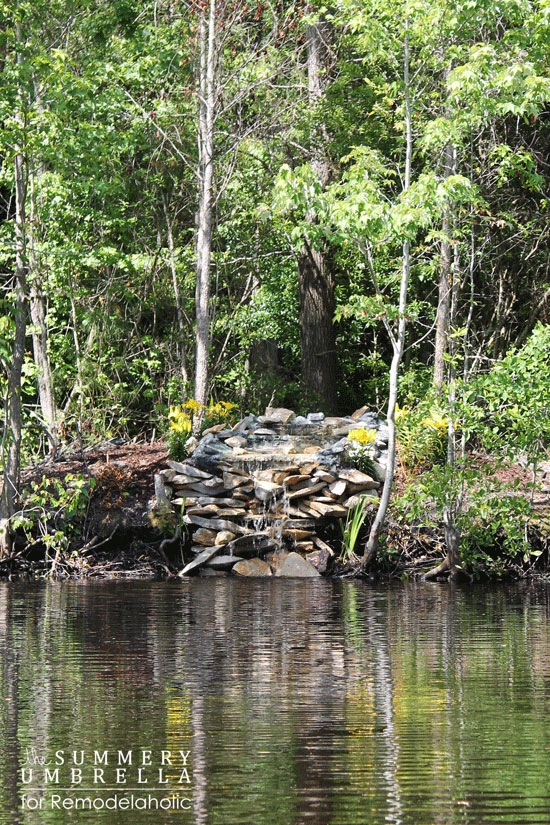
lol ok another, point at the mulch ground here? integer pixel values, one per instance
(141, 461)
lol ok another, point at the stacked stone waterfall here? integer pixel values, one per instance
(256, 497)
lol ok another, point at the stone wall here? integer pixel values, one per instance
(261, 498)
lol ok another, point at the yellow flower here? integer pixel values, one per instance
(436, 422)
(362, 436)
(400, 412)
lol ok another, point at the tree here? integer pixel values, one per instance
(315, 277)
(11, 440)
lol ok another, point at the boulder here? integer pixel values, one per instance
(224, 537)
(276, 559)
(252, 567)
(295, 566)
(358, 479)
(205, 536)
(236, 441)
(338, 487)
(318, 558)
(278, 415)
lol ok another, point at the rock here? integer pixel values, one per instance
(319, 559)
(263, 431)
(254, 543)
(307, 510)
(353, 501)
(324, 476)
(223, 434)
(299, 523)
(204, 536)
(356, 477)
(339, 423)
(306, 491)
(232, 512)
(363, 488)
(304, 546)
(283, 476)
(188, 469)
(217, 524)
(236, 441)
(294, 566)
(252, 567)
(202, 488)
(276, 558)
(224, 537)
(181, 500)
(232, 481)
(247, 423)
(223, 562)
(168, 475)
(243, 493)
(279, 415)
(191, 444)
(338, 488)
(266, 490)
(291, 481)
(327, 510)
(370, 420)
(217, 428)
(181, 480)
(220, 502)
(295, 534)
(358, 413)
(199, 560)
(379, 471)
(206, 511)
(313, 449)
(316, 417)
(300, 421)
(292, 511)
(323, 545)
(307, 469)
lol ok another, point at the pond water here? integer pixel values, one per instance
(274, 702)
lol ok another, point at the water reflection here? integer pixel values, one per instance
(324, 702)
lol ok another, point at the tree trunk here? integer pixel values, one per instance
(315, 279)
(207, 104)
(182, 326)
(445, 277)
(398, 341)
(37, 302)
(12, 460)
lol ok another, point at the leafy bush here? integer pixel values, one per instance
(421, 434)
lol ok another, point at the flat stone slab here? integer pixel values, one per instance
(295, 566)
(223, 562)
(250, 545)
(252, 568)
(188, 469)
(218, 524)
(199, 560)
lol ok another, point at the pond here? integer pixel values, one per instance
(222, 702)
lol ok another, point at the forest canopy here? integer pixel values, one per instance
(210, 199)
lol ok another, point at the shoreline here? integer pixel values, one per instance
(115, 538)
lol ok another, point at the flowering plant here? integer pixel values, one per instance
(182, 418)
(361, 452)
